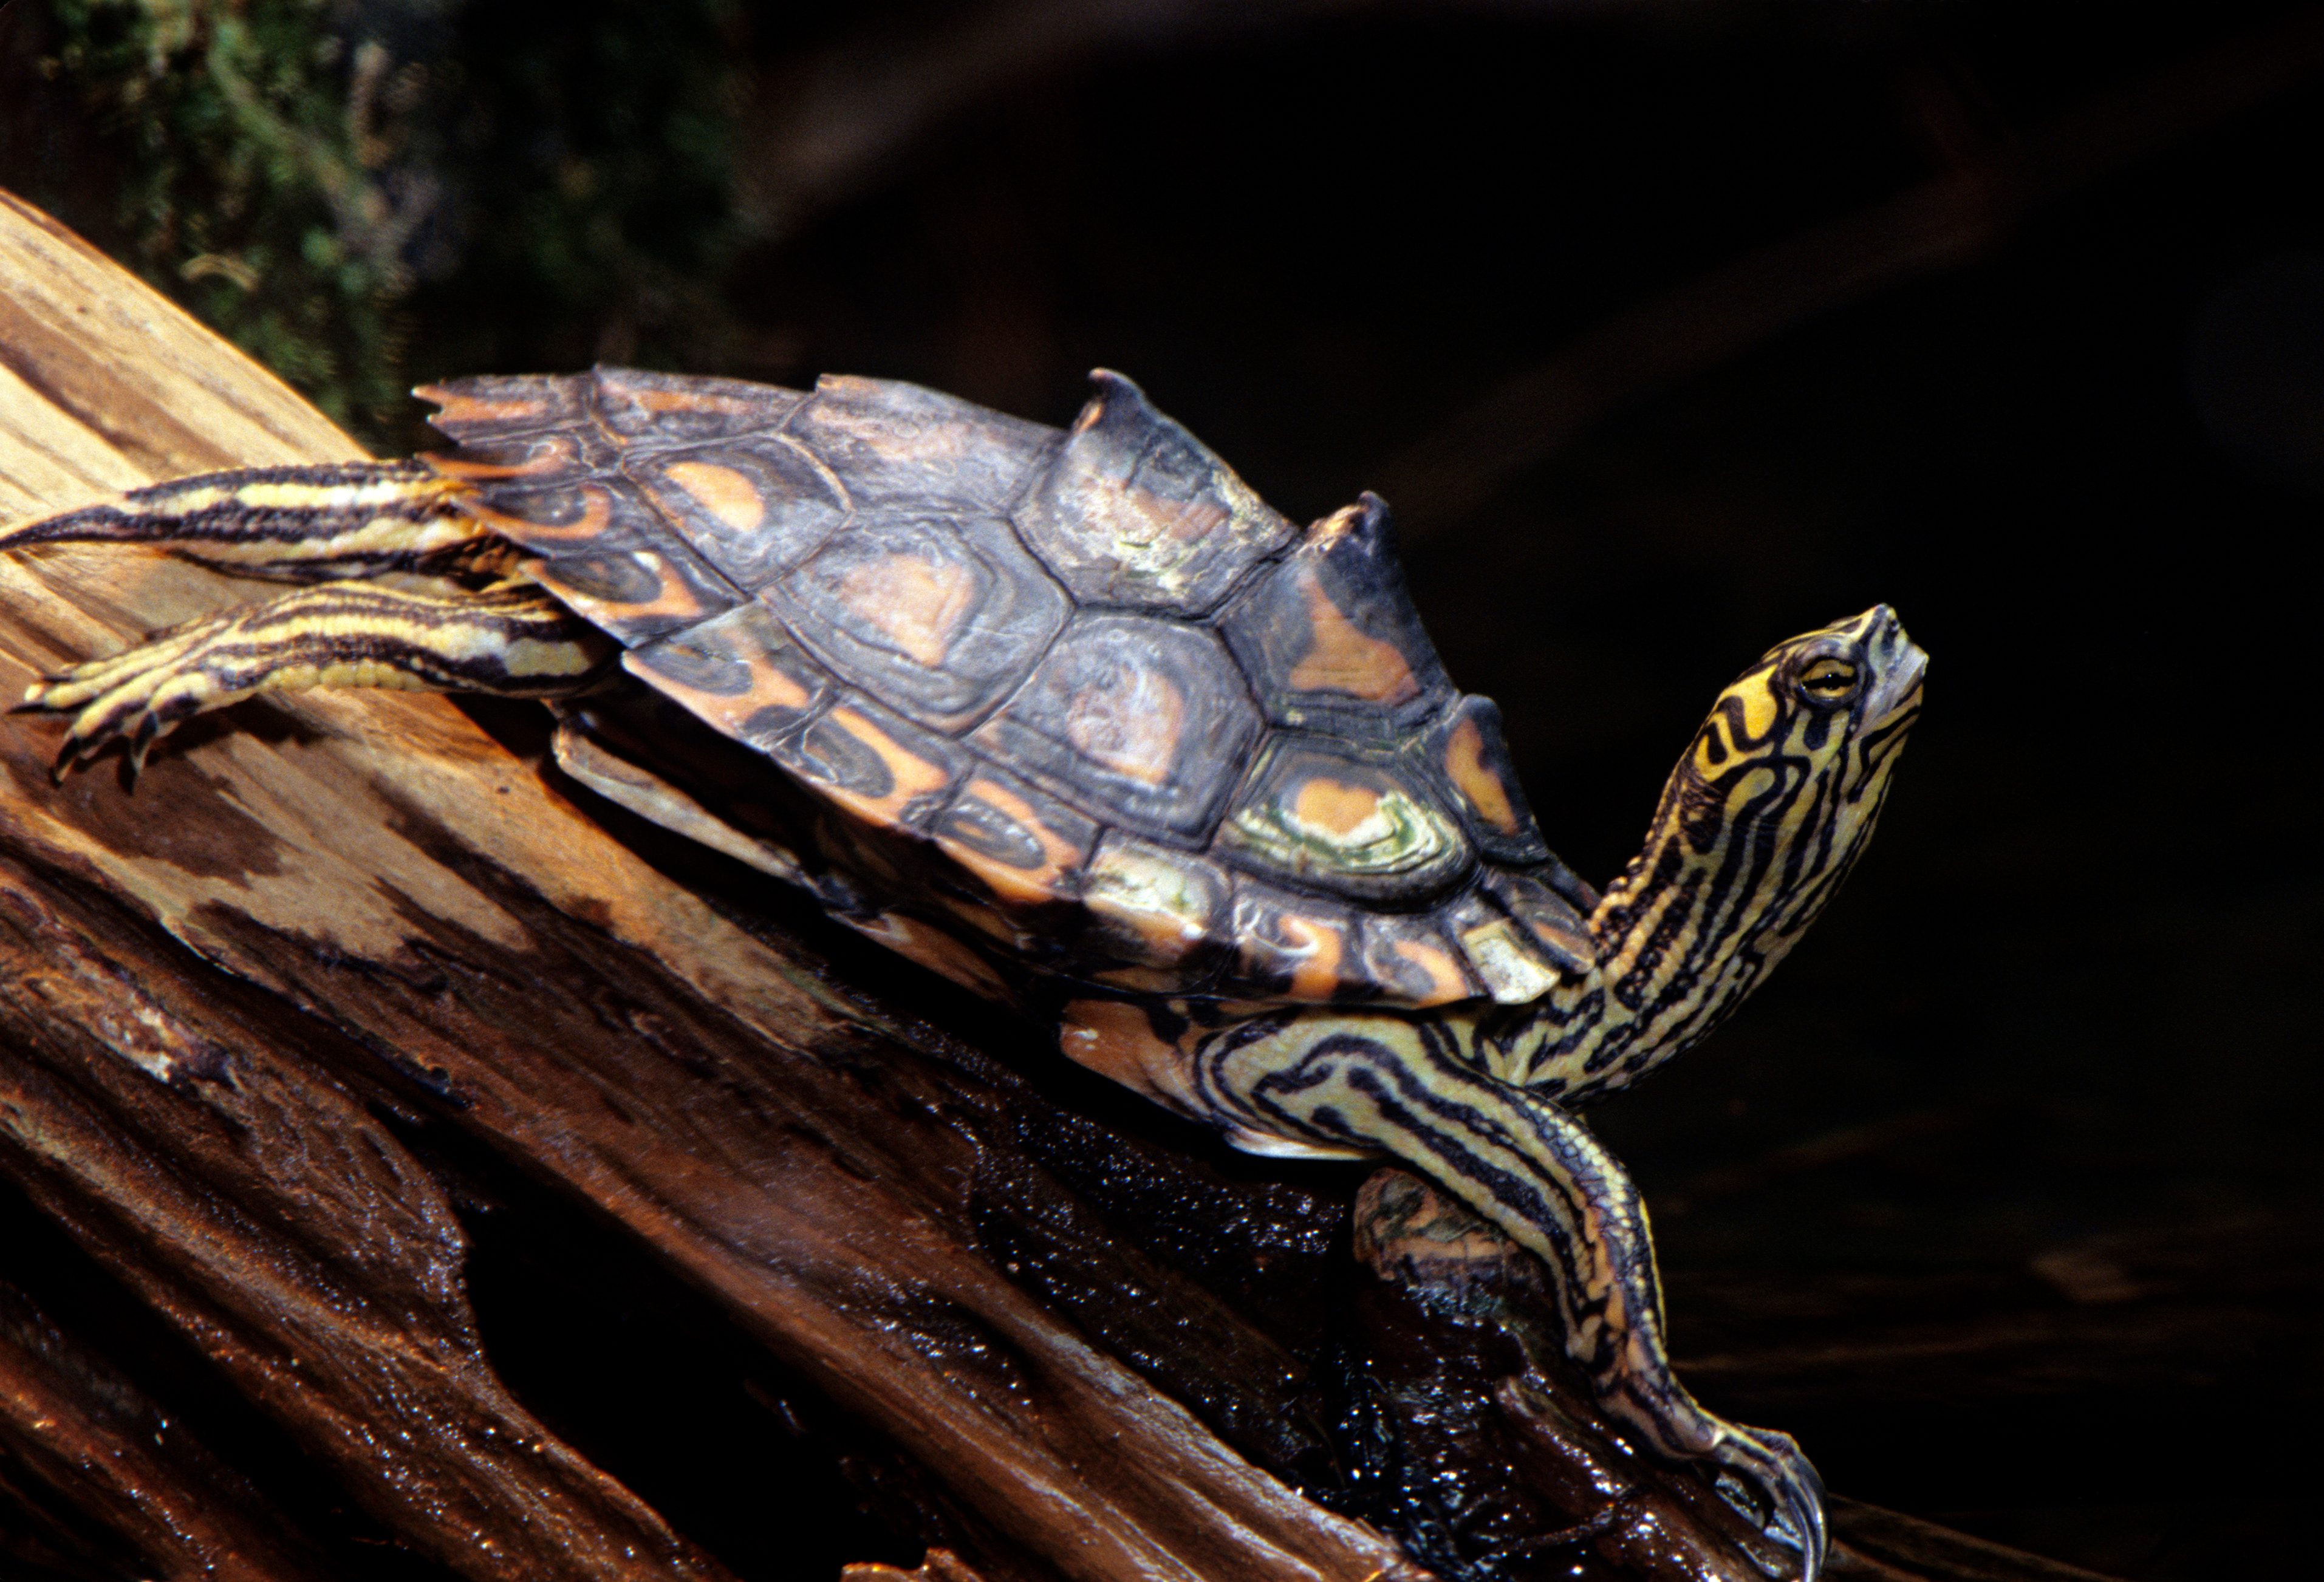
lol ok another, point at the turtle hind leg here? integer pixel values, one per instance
(1398, 1085)
(509, 641)
(291, 524)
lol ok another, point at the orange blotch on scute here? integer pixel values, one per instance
(686, 400)
(1132, 728)
(723, 492)
(1445, 980)
(917, 604)
(1464, 764)
(596, 516)
(1335, 807)
(912, 777)
(1342, 658)
(1315, 950)
(1023, 887)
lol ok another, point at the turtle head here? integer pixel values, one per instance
(1788, 773)
(1759, 824)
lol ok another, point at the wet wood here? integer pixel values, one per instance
(346, 978)
(379, 870)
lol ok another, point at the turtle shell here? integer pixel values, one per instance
(1144, 732)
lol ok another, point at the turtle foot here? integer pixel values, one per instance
(1770, 1464)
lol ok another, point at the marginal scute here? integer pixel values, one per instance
(1152, 907)
(681, 408)
(547, 518)
(880, 767)
(1027, 849)
(1293, 947)
(1134, 510)
(1329, 636)
(940, 616)
(898, 444)
(1503, 955)
(1319, 812)
(753, 511)
(1560, 932)
(739, 673)
(486, 405)
(634, 591)
(548, 452)
(1409, 961)
(1145, 720)
(1468, 750)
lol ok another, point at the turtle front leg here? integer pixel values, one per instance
(509, 641)
(1400, 1086)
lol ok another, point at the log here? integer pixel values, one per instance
(348, 987)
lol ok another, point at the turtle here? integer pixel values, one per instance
(1075, 718)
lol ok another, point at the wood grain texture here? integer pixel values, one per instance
(379, 866)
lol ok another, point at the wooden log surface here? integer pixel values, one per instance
(342, 971)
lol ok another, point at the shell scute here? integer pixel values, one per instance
(940, 616)
(873, 763)
(1558, 931)
(1319, 811)
(753, 510)
(1409, 961)
(1155, 908)
(489, 405)
(547, 517)
(1499, 951)
(567, 452)
(1145, 721)
(1134, 510)
(1293, 947)
(739, 673)
(1467, 748)
(628, 576)
(683, 408)
(896, 444)
(1027, 849)
(1330, 637)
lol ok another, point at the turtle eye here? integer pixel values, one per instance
(1830, 680)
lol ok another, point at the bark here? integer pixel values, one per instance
(350, 987)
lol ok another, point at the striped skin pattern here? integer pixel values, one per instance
(512, 641)
(1762, 819)
(1771, 806)
(1461, 1053)
(297, 524)
(332, 525)
(1408, 1084)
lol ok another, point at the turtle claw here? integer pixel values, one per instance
(1772, 1464)
(133, 698)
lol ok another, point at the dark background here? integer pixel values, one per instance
(1671, 331)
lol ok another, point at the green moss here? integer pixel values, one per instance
(358, 190)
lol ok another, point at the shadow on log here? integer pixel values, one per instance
(353, 1003)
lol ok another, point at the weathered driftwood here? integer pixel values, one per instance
(340, 962)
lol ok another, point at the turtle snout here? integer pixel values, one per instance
(1897, 663)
